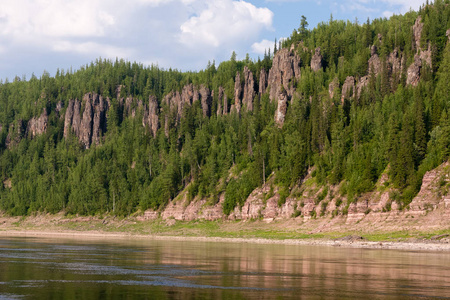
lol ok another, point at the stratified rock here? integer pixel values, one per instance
(348, 88)
(280, 113)
(37, 126)
(249, 89)
(262, 82)
(285, 68)
(417, 32)
(316, 61)
(374, 62)
(332, 87)
(413, 73)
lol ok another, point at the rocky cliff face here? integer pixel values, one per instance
(151, 115)
(285, 69)
(374, 62)
(262, 82)
(248, 89)
(374, 208)
(89, 128)
(422, 56)
(316, 61)
(37, 126)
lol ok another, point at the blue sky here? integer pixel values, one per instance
(38, 35)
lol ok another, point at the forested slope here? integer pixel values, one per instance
(341, 112)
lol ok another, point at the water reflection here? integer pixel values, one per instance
(154, 269)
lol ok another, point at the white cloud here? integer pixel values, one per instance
(263, 46)
(405, 5)
(225, 22)
(49, 34)
(92, 48)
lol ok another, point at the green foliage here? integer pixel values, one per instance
(394, 127)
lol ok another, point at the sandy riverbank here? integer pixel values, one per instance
(350, 242)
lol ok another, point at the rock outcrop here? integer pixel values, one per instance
(248, 89)
(206, 100)
(348, 88)
(151, 115)
(362, 83)
(394, 61)
(316, 60)
(417, 33)
(222, 105)
(332, 87)
(421, 56)
(374, 62)
(413, 73)
(92, 125)
(37, 126)
(447, 33)
(237, 93)
(262, 82)
(280, 113)
(285, 69)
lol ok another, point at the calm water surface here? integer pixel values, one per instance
(43, 268)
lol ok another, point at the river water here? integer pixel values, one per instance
(57, 268)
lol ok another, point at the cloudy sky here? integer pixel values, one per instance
(38, 35)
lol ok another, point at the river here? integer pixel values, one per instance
(97, 268)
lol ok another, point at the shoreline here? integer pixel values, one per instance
(426, 246)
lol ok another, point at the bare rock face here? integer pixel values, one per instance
(90, 128)
(394, 62)
(237, 92)
(348, 88)
(280, 113)
(332, 87)
(262, 82)
(429, 197)
(447, 33)
(413, 73)
(15, 134)
(100, 107)
(417, 32)
(222, 101)
(206, 100)
(374, 62)
(151, 118)
(363, 82)
(249, 89)
(285, 68)
(37, 126)
(425, 56)
(316, 61)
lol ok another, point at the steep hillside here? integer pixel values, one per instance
(342, 120)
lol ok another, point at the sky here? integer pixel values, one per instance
(44, 35)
